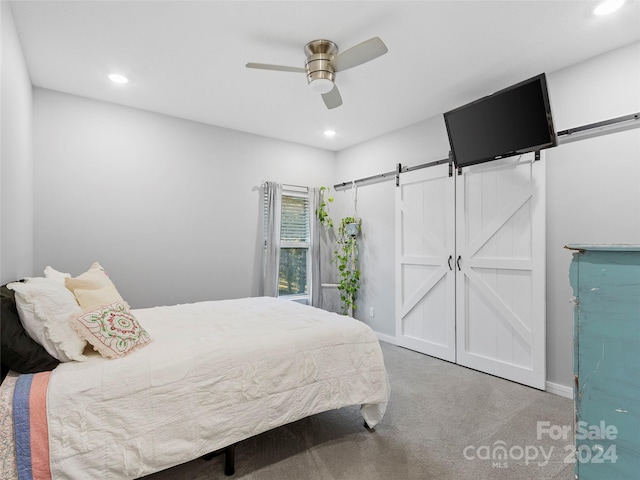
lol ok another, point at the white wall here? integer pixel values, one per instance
(169, 207)
(592, 191)
(593, 185)
(16, 166)
(419, 143)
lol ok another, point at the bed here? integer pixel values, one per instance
(207, 376)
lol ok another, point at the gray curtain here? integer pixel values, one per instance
(273, 198)
(314, 231)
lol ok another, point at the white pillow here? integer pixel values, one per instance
(50, 272)
(45, 308)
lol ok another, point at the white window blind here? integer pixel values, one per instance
(295, 219)
(295, 244)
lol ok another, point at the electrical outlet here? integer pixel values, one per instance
(372, 312)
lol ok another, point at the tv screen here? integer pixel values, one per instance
(509, 122)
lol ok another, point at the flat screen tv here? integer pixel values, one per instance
(512, 121)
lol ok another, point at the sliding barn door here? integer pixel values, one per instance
(425, 276)
(500, 281)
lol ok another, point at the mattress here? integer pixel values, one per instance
(216, 373)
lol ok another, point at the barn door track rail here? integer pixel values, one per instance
(618, 124)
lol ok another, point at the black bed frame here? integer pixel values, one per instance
(230, 455)
(229, 458)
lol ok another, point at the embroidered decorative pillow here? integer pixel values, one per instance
(111, 329)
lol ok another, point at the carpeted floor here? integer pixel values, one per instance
(443, 422)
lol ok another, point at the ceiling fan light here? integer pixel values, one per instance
(321, 85)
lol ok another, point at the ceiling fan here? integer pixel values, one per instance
(324, 61)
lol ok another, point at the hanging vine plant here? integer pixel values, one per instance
(346, 258)
(345, 255)
(321, 211)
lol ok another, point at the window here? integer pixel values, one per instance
(295, 244)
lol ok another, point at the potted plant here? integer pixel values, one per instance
(352, 228)
(345, 257)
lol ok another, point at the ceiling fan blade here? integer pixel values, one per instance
(359, 54)
(279, 68)
(333, 98)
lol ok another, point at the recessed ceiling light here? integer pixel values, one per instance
(329, 133)
(609, 6)
(117, 78)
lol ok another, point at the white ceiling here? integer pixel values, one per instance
(187, 58)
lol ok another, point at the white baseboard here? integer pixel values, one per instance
(558, 389)
(386, 338)
(550, 387)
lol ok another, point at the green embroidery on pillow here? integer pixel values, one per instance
(111, 329)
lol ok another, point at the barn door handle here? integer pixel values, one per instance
(449, 262)
(458, 262)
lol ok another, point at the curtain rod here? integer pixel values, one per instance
(625, 122)
(285, 185)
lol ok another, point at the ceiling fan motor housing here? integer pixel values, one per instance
(318, 65)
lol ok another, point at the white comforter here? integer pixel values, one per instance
(216, 373)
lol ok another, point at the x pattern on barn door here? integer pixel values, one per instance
(425, 244)
(470, 267)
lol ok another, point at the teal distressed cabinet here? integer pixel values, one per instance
(606, 285)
